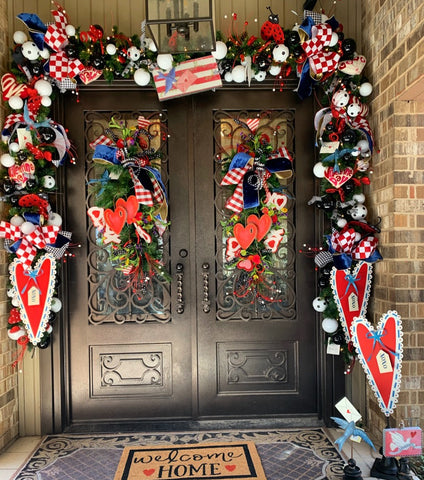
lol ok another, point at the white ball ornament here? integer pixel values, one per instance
(15, 102)
(319, 304)
(274, 70)
(359, 197)
(334, 39)
(340, 98)
(319, 170)
(43, 88)
(7, 160)
(70, 30)
(54, 219)
(56, 305)
(239, 74)
(363, 146)
(19, 37)
(358, 237)
(27, 228)
(260, 76)
(341, 222)
(228, 77)
(280, 53)
(46, 101)
(220, 50)
(30, 50)
(150, 44)
(110, 49)
(14, 301)
(365, 89)
(14, 147)
(48, 182)
(17, 220)
(141, 77)
(330, 325)
(49, 328)
(164, 61)
(353, 109)
(359, 212)
(10, 293)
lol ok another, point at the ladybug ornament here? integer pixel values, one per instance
(271, 30)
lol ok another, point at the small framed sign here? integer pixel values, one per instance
(402, 442)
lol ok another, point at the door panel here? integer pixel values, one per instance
(191, 349)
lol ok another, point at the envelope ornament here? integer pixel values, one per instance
(351, 291)
(380, 353)
(33, 288)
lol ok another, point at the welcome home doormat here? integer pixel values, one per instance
(208, 461)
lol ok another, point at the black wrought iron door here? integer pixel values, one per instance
(192, 348)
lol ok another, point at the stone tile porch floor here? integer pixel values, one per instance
(14, 457)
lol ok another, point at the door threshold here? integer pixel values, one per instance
(181, 425)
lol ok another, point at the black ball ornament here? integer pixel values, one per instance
(297, 50)
(338, 338)
(348, 47)
(349, 187)
(37, 69)
(98, 62)
(14, 200)
(47, 134)
(8, 187)
(348, 136)
(71, 51)
(291, 38)
(44, 343)
(323, 281)
(32, 183)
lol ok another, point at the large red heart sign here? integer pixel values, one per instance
(351, 291)
(337, 179)
(34, 288)
(380, 353)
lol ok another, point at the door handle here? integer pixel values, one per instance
(180, 291)
(206, 304)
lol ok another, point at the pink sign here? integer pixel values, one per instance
(402, 442)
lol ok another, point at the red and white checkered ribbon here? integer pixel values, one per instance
(343, 242)
(27, 249)
(101, 140)
(365, 248)
(12, 119)
(60, 67)
(321, 61)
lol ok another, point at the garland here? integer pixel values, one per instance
(59, 57)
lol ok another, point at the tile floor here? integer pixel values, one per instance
(16, 455)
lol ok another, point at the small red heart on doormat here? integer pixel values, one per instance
(337, 179)
(263, 224)
(230, 468)
(245, 235)
(130, 205)
(116, 219)
(149, 472)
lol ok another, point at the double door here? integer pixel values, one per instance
(191, 348)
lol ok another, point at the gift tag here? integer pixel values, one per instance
(383, 361)
(353, 302)
(332, 348)
(33, 296)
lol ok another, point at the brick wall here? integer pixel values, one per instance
(8, 377)
(393, 43)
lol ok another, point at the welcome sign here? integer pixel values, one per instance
(193, 461)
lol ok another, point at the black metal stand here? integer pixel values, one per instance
(404, 469)
(385, 467)
(351, 471)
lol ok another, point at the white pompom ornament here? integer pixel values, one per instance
(363, 146)
(274, 70)
(330, 325)
(70, 30)
(359, 197)
(14, 147)
(54, 219)
(45, 54)
(228, 77)
(7, 160)
(319, 304)
(365, 89)
(164, 61)
(260, 76)
(319, 170)
(341, 222)
(27, 228)
(220, 50)
(142, 77)
(16, 332)
(239, 74)
(43, 87)
(14, 301)
(15, 102)
(56, 305)
(19, 37)
(334, 39)
(17, 220)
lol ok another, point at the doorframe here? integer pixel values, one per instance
(53, 381)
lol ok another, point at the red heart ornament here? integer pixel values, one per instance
(263, 224)
(245, 234)
(380, 353)
(337, 179)
(34, 290)
(130, 205)
(245, 264)
(115, 219)
(351, 291)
